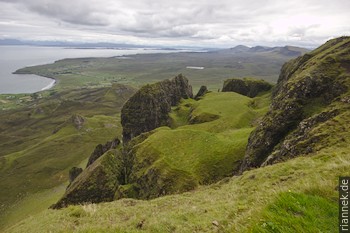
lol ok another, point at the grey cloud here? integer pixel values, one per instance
(74, 12)
(200, 21)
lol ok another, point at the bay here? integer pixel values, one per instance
(13, 58)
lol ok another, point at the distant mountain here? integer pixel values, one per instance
(260, 49)
(240, 49)
(286, 50)
(10, 42)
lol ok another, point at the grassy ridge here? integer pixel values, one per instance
(293, 196)
(205, 143)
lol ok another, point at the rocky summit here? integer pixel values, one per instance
(308, 96)
(148, 108)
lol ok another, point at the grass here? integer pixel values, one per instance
(295, 212)
(267, 199)
(40, 143)
(206, 143)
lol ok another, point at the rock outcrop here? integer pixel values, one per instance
(78, 121)
(149, 107)
(202, 91)
(101, 149)
(306, 96)
(247, 86)
(97, 183)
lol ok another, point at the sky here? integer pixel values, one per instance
(208, 23)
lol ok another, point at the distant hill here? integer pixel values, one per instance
(286, 50)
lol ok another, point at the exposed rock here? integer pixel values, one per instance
(302, 140)
(78, 121)
(202, 91)
(215, 223)
(97, 183)
(314, 77)
(248, 87)
(101, 149)
(149, 107)
(74, 172)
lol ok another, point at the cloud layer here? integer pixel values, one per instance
(177, 22)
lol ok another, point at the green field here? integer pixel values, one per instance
(137, 70)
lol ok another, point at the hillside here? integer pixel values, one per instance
(40, 142)
(309, 103)
(224, 162)
(191, 147)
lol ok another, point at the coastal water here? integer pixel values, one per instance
(13, 58)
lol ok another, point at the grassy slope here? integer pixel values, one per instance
(296, 196)
(206, 151)
(148, 68)
(37, 160)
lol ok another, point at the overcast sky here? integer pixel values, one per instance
(213, 23)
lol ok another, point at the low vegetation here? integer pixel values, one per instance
(40, 142)
(225, 162)
(287, 197)
(141, 69)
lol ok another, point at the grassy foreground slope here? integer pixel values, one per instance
(40, 142)
(299, 195)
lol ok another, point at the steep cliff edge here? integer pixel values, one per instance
(311, 91)
(149, 107)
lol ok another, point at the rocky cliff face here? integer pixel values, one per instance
(101, 149)
(97, 183)
(149, 107)
(307, 96)
(248, 87)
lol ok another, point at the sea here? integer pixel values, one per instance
(13, 58)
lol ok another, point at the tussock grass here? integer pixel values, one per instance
(295, 196)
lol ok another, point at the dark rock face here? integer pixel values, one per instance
(74, 172)
(302, 140)
(149, 107)
(97, 183)
(247, 87)
(101, 149)
(202, 91)
(314, 77)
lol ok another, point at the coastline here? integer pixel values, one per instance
(51, 85)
